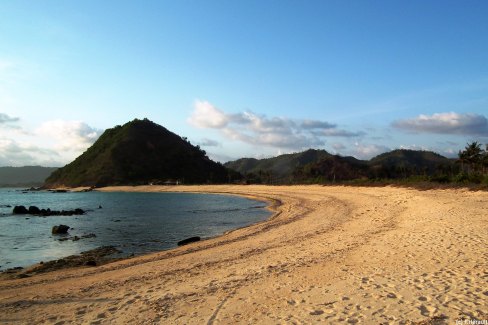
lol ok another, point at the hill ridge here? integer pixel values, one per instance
(318, 165)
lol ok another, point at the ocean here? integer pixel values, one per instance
(135, 223)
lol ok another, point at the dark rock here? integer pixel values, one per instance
(188, 240)
(20, 209)
(14, 269)
(34, 210)
(61, 229)
(91, 263)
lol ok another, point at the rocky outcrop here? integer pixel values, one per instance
(59, 230)
(188, 241)
(20, 209)
(33, 210)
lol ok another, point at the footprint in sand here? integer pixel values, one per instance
(101, 315)
(316, 312)
(427, 310)
(422, 298)
(81, 311)
(292, 302)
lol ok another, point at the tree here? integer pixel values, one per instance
(484, 160)
(472, 155)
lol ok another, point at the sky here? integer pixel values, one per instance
(243, 78)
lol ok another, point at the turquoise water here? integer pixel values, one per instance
(135, 223)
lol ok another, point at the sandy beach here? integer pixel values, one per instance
(329, 255)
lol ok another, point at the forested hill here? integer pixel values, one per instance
(26, 176)
(317, 166)
(139, 152)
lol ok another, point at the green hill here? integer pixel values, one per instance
(318, 166)
(26, 176)
(304, 167)
(404, 163)
(139, 152)
(278, 169)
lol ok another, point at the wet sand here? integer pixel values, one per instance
(329, 255)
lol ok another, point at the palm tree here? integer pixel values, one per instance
(484, 159)
(471, 155)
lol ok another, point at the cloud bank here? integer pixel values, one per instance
(14, 153)
(4, 119)
(446, 123)
(54, 143)
(70, 135)
(260, 130)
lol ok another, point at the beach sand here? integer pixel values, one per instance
(329, 255)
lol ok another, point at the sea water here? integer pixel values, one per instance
(135, 223)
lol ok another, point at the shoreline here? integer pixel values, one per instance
(98, 256)
(331, 254)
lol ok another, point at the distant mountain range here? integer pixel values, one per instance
(140, 152)
(319, 166)
(27, 176)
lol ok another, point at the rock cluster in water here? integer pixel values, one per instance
(33, 210)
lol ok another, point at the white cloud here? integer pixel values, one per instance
(312, 124)
(260, 130)
(209, 143)
(70, 135)
(341, 133)
(13, 153)
(446, 123)
(338, 147)
(368, 150)
(206, 115)
(6, 119)
(415, 147)
(54, 143)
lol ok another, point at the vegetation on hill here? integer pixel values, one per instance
(140, 152)
(412, 166)
(277, 169)
(402, 164)
(26, 176)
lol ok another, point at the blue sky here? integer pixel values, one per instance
(244, 78)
